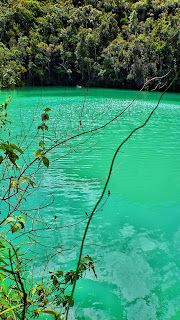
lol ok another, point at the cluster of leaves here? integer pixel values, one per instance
(11, 299)
(17, 223)
(40, 153)
(4, 120)
(56, 289)
(10, 152)
(53, 292)
(19, 299)
(115, 43)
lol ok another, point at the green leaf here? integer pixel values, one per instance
(41, 143)
(24, 178)
(21, 219)
(2, 244)
(3, 261)
(4, 253)
(40, 127)
(13, 157)
(13, 184)
(29, 179)
(15, 227)
(16, 148)
(12, 308)
(31, 182)
(44, 116)
(4, 288)
(8, 220)
(71, 303)
(47, 109)
(22, 224)
(59, 273)
(48, 312)
(3, 146)
(45, 161)
(1, 159)
(5, 304)
(38, 152)
(55, 280)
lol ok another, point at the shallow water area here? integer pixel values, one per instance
(134, 238)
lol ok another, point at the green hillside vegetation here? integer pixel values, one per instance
(108, 43)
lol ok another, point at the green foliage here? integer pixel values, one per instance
(10, 152)
(68, 42)
(20, 298)
(40, 153)
(4, 120)
(11, 297)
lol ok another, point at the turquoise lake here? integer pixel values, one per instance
(134, 237)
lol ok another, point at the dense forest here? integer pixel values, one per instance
(108, 43)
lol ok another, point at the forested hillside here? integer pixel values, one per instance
(111, 43)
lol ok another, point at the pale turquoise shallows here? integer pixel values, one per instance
(135, 238)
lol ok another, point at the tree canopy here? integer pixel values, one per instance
(110, 43)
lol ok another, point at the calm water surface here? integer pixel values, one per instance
(134, 238)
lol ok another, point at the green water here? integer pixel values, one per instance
(135, 238)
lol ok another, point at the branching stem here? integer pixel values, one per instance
(104, 189)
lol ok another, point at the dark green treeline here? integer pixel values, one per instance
(111, 43)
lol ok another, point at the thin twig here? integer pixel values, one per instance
(103, 192)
